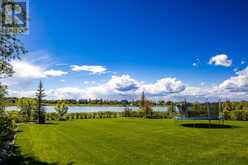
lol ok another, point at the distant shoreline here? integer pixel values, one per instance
(84, 105)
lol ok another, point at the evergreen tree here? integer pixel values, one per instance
(40, 114)
(142, 101)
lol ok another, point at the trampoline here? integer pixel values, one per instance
(207, 112)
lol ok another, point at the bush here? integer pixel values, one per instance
(61, 108)
(236, 115)
(17, 117)
(227, 115)
(107, 114)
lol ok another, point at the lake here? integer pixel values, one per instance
(92, 108)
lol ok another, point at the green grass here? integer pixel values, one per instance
(134, 141)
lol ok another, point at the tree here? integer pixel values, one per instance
(171, 109)
(228, 106)
(26, 106)
(145, 106)
(147, 109)
(2, 94)
(142, 101)
(40, 110)
(61, 108)
(10, 48)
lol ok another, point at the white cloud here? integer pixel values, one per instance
(220, 60)
(66, 93)
(237, 83)
(123, 83)
(164, 86)
(93, 69)
(118, 87)
(55, 73)
(26, 70)
(86, 82)
(89, 82)
(22, 93)
(234, 88)
(125, 87)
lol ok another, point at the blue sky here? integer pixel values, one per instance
(148, 40)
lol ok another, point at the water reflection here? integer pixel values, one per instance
(92, 108)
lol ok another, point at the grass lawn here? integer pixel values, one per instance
(133, 141)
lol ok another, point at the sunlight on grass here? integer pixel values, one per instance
(134, 141)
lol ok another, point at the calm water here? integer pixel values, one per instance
(92, 108)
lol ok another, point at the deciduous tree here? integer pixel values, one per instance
(61, 108)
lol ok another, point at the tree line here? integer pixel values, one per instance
(12, 101)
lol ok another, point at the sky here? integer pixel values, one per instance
(115, 49)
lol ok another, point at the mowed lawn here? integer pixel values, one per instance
(133, 141)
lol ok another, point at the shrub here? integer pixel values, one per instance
(27, 107)
(7, 125)
(236, 115)
(227, 115)
(17, 117)
(61, 108)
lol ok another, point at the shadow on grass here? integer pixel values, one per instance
(19, 131)
(49, 123)
(18, 159)
(206, 125)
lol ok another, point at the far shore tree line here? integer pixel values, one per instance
(227, 105)
(12, 101)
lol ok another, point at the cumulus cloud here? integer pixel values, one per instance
(66, 93)
(55, 73)
(27, 70)
(124, 86)
(24, 69)
(123, 83)
(93, 69)
(234, 88)
(238, 82)
(164, 86)
(220, 60)
(118, 87)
